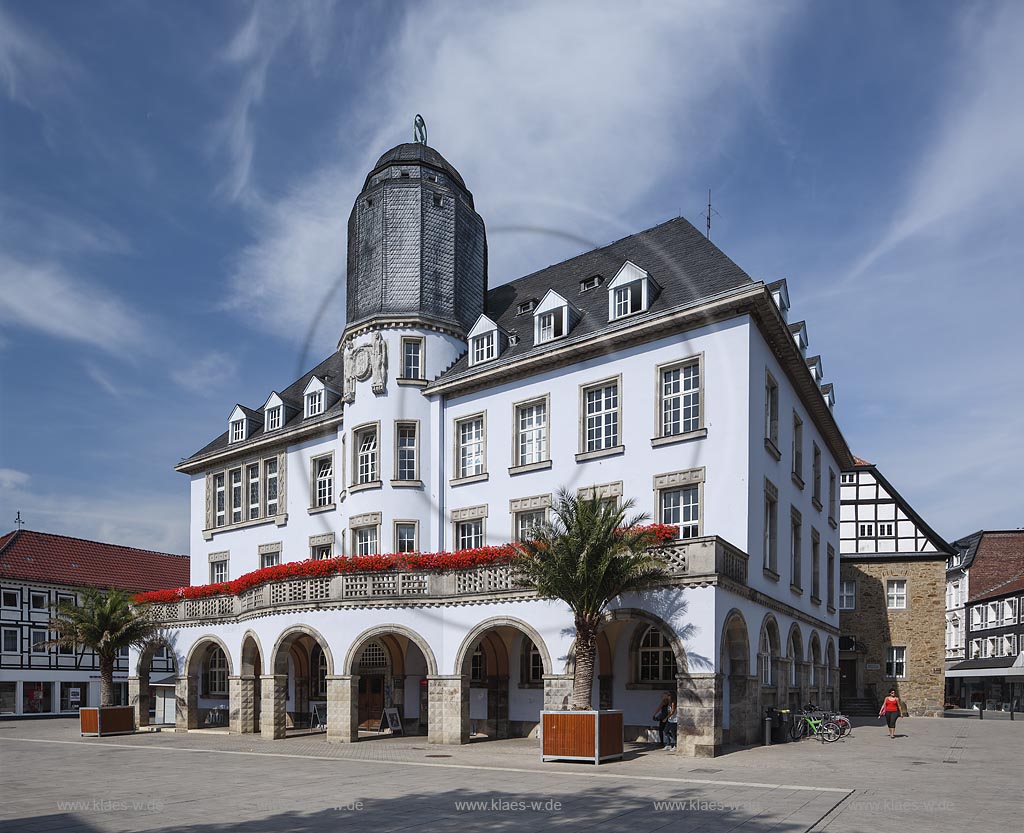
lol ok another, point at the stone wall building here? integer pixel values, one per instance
(892, 584)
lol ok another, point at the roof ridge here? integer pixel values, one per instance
(88, 541)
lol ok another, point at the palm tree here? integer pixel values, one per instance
(589, 554)
(104, 623)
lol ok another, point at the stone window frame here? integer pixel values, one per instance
(906, 592)
(523, 505)
(772, 397)
(366, 520)
(280, 518)
(357, 434)
(660, 438)
(796, 550)
(683, 479)
(635, 679)
(461, 479)
(584, 453)
(890, 659)
(274, 548)
(326, 539)
(421, 379)
(415, 524)
(770, 543)
(314, 485)
(605, 492)
(467, 514)
(416, 480)
(518, 466)
(221, 557)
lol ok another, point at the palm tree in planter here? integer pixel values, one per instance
(105, 623)
(589, 554)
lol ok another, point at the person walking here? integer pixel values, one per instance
(661, 715)
(892, 709)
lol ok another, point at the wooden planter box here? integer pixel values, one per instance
(107, 720)
(581, 736)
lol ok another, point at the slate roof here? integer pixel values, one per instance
(681, 260)
(968, 548)
(415, 153)
(27, 555)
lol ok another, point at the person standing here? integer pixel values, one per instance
(892, 709)
(671, 725)
(661, 715)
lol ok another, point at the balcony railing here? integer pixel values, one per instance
(696, 561)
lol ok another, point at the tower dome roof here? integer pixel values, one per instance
(415, 153)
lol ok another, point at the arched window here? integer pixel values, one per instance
(767, 663)
(320, 684)
(217, 673)
(478, 665)
(373, 656)
(657, 661)
(533, 663)
(794, 659)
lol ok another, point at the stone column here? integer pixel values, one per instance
(557, 691)
(448, 715)
(699, 708)
(273, 714)
(139, 701)
(242, 704)
(186, 707)
(343, 708)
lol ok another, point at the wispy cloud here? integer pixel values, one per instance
(51, 231)
(101, 378)
(12, 479)
(30, 66)
(206, 375)
(43, 296)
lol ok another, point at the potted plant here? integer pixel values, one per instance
(586, 556)
(105, 623)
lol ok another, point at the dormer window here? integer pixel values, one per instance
(630, 291)
(526, 306)
(629, 299)
(314, 403)
(237, 430)
(593, 282)
(550, 325)
(272, 418)
(484, 347)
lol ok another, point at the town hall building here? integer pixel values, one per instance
(447, 421)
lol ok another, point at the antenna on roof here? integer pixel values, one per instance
(18, 521)
(707, 214)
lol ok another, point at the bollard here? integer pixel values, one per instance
(768, 731)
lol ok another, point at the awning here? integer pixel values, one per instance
(1005, 671)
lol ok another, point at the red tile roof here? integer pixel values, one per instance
(857, 461)
(998, 559)
(57, 559)
(1015, 585)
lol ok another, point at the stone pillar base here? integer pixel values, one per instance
(557, 691)
(242, 704)
(448, 712)
(186, 707)
(699, 706)
(274, 702)
(343, 708)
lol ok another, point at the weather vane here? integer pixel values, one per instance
(419, 130)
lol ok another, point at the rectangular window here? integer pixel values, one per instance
(896, 594)
(270, 488)
(831, 495)
(484, 348)
(848, 479)
(237, 430)
(896, 662)
(270, 559)
(628, 299)
(36, 697)
(323, 476)
(831, 577)
(602, 417)
(681, 507)
(865, 530)
(273, 419)
(816, 473)
(412, 358)
(219, 500)
(254, 491)
(847, 595)
(366, 456)
(527, 522)
(798, 447)
(314, 403)
(470, 446)
(680, 399)
(815, 565)
(886, 529)
(531, 433)
(405, 452)
(11, 641)
(39, 601)
(37, 640)
(469, 534)
(322, 552)
(366, 540)
(771, 532)
(236, 496)
(550, 325)
(771, 409)
(405, 537)
(218, 572)
(796, 546)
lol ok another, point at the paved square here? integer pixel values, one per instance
(939, 775)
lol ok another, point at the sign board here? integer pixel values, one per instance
(74, 694)
(37, 694)
(318, 717)
(390, 719)
(872, 666)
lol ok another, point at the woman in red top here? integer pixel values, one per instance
(891, 708)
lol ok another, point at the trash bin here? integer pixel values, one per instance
(782, 723)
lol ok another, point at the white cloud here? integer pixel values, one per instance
(101, 378)
(44, 297)
(52, 232)
(560, 116)
(208, 374)
(29, 65)
(12, 478)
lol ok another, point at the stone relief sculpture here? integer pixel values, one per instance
(362, 362)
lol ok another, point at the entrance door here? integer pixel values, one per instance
(371, 700)
(847, 678)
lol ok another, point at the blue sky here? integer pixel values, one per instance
(175, 180)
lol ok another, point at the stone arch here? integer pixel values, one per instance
(141, 694)
(146, 655)
(770, 629)
(379, 632)
(198, 650)
(465, 651)
(632, 613)
(279, 658)
(251, 651)
(795, 639)
(735, 644)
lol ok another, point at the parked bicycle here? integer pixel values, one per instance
(815, 724)
(840, 719)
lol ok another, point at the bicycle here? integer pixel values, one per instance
(841, 720)
(806, 723)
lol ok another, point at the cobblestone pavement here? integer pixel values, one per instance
(938, 775)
